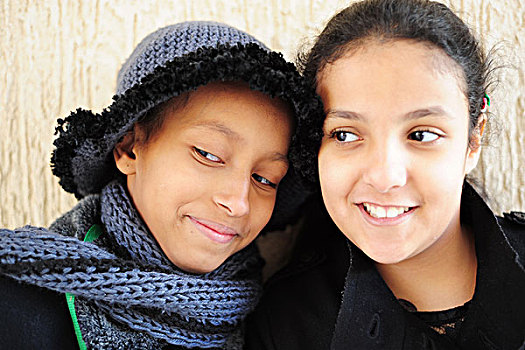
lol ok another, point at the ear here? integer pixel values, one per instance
(123, 153)
(474, 148)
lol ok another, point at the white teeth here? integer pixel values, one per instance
(392, 212)
(384, 212)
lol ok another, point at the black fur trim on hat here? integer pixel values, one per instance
(83, 159)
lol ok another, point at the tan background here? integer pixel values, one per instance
(56, 56)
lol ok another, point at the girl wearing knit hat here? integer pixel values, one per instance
(175, 178)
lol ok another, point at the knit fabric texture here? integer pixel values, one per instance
(129, 295)
(169, 62)
(176, 40)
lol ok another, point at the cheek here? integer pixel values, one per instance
(335, 176)
(261, 208)
(164, 188)
(442, 170)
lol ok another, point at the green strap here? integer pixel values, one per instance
(93, 233)
(70, 299)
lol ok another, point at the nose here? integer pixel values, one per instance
(386, 167)
(232, 195)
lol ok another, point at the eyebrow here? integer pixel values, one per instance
(276, 156)
(223, 129)
(334, 113)
(433, 111)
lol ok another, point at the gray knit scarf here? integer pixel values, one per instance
(128, 294)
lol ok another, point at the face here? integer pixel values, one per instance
(395, 149)
(205, 183)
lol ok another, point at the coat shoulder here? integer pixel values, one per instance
(513, 225)
(517, 217)
(77, 221)
(290, 315)
(33, 318)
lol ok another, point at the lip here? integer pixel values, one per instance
(216, 232)
(385, 204)
(386, 221)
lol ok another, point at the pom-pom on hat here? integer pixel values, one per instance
(173, 60)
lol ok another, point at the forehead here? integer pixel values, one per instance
(393, 54)
(226, 109)
(231, 101)
(403, 71)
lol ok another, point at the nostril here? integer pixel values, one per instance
(373, 328)
(224, 206)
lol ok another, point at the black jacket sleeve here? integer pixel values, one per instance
(34, 318)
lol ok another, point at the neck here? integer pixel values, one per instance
(439, 278)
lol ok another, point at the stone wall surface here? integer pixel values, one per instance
(57, 55)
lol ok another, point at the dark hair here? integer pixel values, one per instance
(151, 122)
(420, 20)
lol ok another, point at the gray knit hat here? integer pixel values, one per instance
(167, 63)
(173, 41)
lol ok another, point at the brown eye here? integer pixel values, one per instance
(208, 156)
(345, 136)
(423, 136)
(263, 180)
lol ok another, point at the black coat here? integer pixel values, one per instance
(34, 318)
(37, 318)
(332, 297)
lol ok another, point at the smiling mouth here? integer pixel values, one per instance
(383, 212)
(216, 232)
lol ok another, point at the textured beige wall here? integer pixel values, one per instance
(56, 56)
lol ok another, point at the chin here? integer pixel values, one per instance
(387, 260)
(206, 269)
(386, 255)
(201, 267)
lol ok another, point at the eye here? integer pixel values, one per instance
(423, 136)
(207, 155)
(263, 180)
(344, 136)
